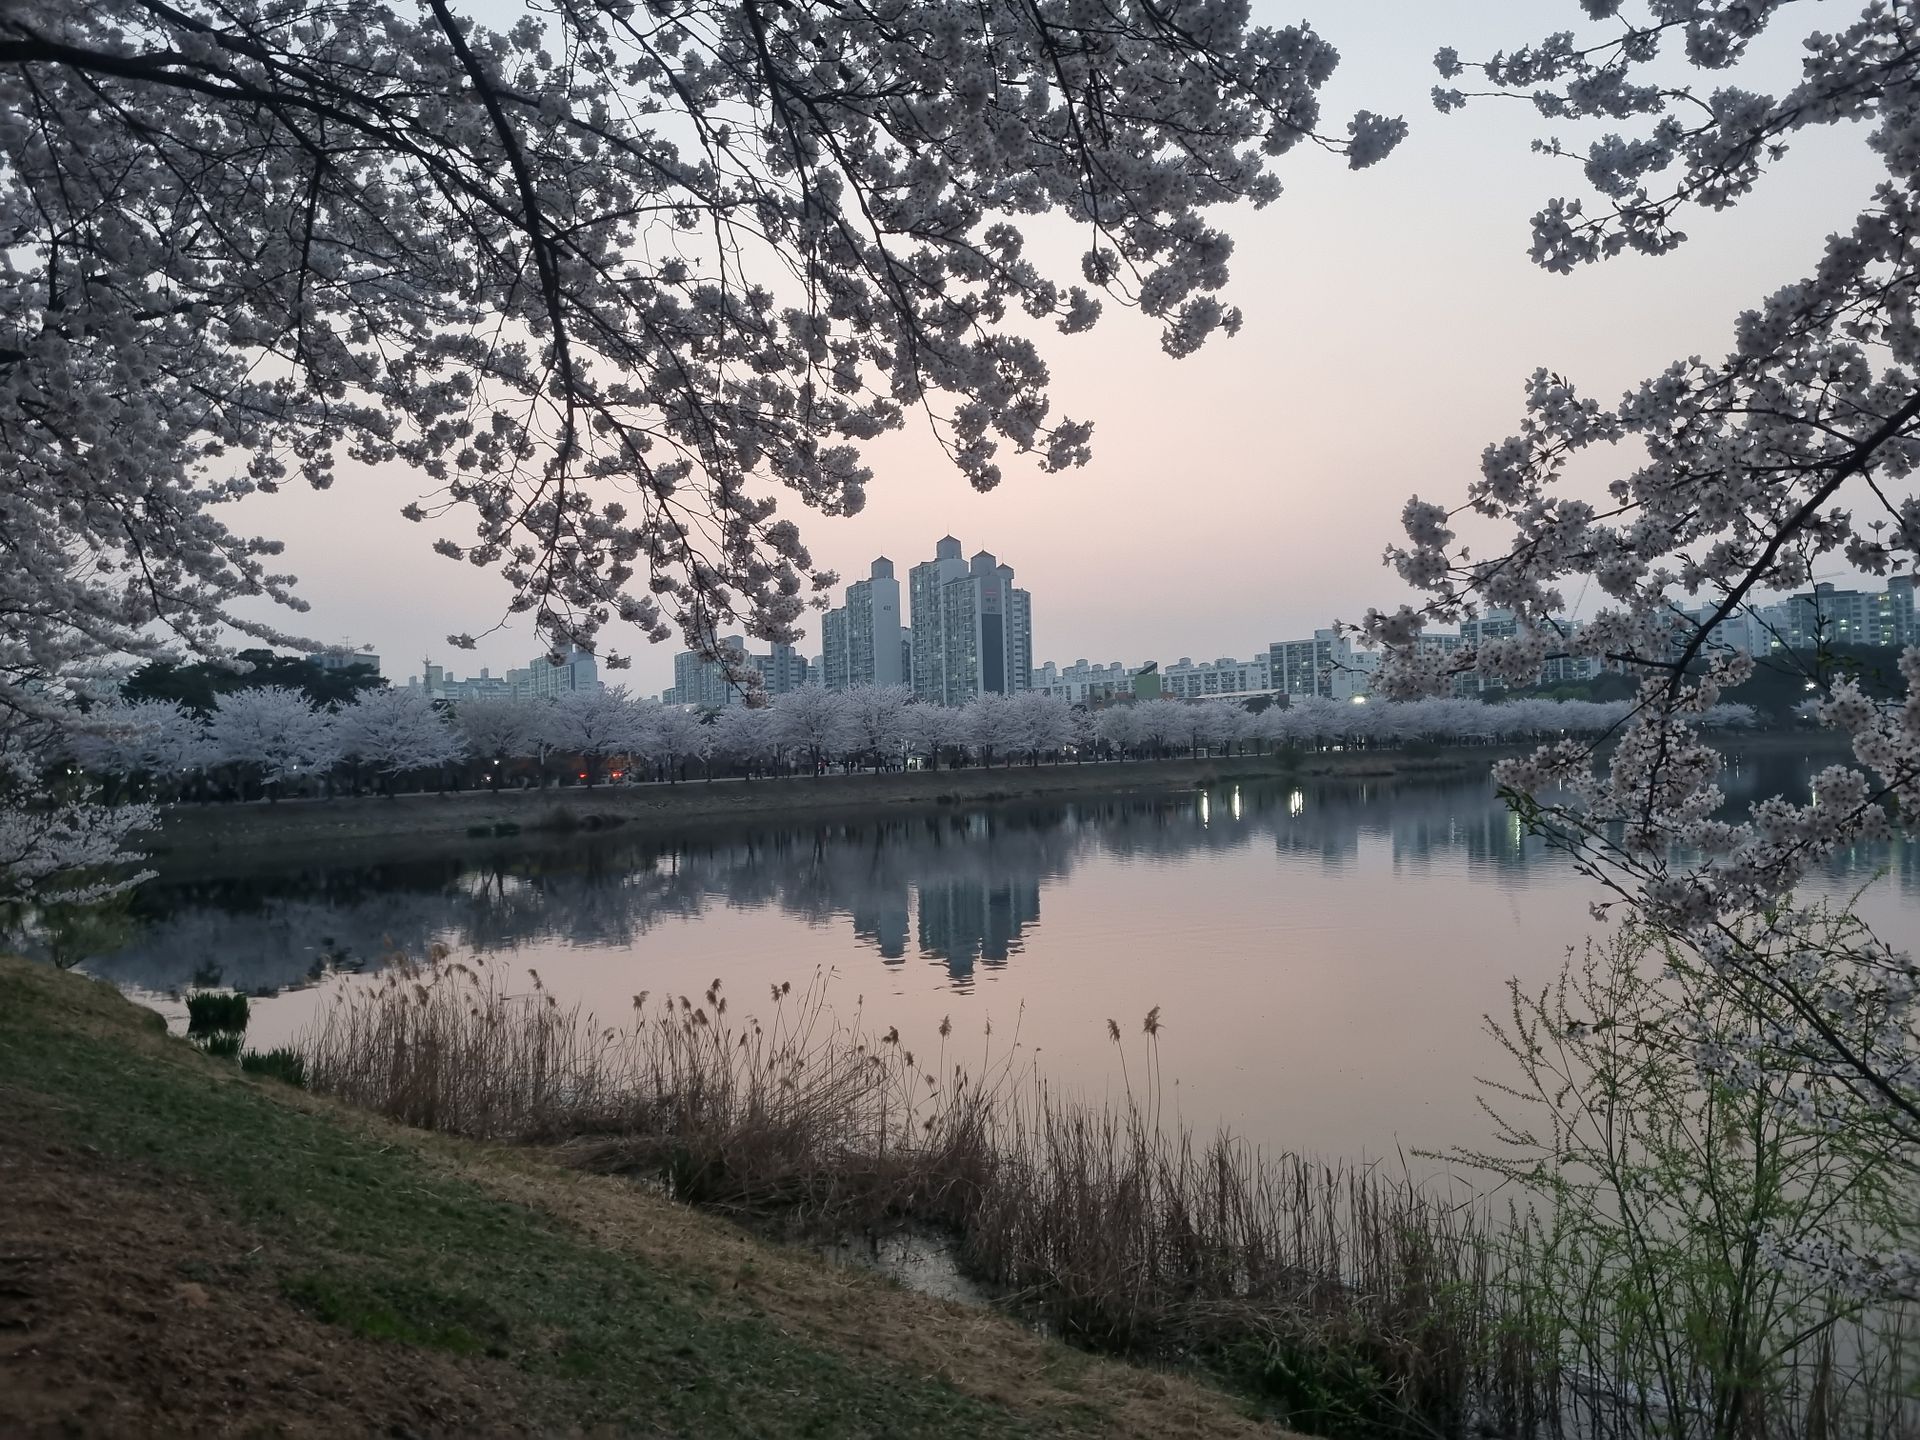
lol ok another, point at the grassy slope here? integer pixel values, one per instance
(373, 1276)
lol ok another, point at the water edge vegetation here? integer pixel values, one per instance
(1613, 1290)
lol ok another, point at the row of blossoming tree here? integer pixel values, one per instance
(270, 740)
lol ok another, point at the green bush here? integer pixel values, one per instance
(222, 1044)
(282, 1063)
(215, 1012)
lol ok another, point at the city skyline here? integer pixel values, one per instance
(1323, 662)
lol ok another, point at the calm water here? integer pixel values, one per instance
(1322, 955)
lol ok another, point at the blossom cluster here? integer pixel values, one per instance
(1796, 448)
(607, 281)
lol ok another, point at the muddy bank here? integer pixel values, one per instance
(195, 836)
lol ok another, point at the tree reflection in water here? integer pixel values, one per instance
(959, 888)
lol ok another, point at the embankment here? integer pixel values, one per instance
(193, 1251)
(218, 833)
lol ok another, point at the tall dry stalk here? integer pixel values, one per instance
(1360, 1301)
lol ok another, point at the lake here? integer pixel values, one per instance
(1321, 953)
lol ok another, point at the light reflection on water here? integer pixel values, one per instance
(1322, 953)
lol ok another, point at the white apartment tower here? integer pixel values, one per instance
(861, 640)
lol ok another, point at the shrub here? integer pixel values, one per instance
(211, 1012)
(283, 1063)
(222, 1044)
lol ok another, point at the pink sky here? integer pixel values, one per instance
(1244, 494)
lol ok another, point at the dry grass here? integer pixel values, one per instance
(1355, 1301)
(1351, 1297)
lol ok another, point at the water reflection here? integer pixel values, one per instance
(961, 891)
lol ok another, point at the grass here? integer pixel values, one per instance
(384, 1238)
(282, 1063)
(1345, 1300)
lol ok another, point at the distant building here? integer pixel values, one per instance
(835, 671)
(484, 686)
(861, 641)
(873, 628)
(1302, 668)
(579, 672)
(926, 583)
(1833, 616)
(703, 682)
(1224, 677)
(971, 627)
(547, 679)
(782, 669)
(1083, 684)
(342, 660)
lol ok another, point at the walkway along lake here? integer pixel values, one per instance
(1322, 952)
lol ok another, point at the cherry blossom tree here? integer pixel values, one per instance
(745, 735)
(1797, 446)
(814, 721)
(1044, 723)
(56, 844)
(595, 725)
(1119, 728)
(270, 735)
(877, 714)
(926, 730)
(990, 725)
(396, 732)
(1085, 733)
(159, 741)
(497, 732)
(1162, 723)
(612, 281)
(676, 735)
(660, 254)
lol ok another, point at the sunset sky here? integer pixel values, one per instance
(1244, 494)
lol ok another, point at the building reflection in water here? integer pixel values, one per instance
(956, 890)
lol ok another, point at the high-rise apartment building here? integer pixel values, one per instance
(703, 682)
(861, 642)
(971, 627)
(782, 669)
(1081, 683)
(545, 679)
(835, 671)
(1225, 676)
(926, 582)
(1299, 668)
(873, 627)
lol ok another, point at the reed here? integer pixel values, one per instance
(1356, 1301)
(213, 1012)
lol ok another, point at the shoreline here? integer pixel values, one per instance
(225, 837)
(224, 833)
